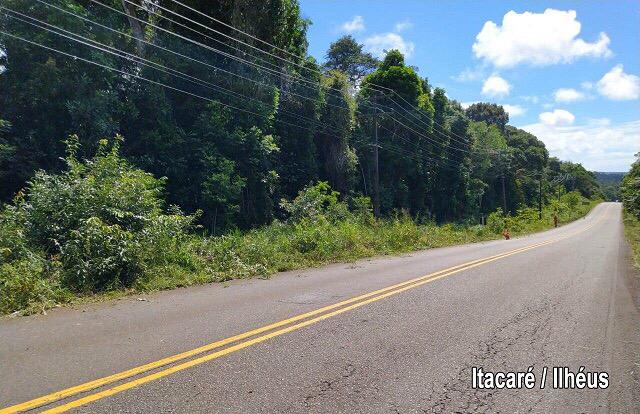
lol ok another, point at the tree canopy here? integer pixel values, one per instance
(490, 113)
(347, 56)
(242, 117)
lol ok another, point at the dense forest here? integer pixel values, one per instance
(152, 144)
(223, 100)
(610, 184)
(629, 192)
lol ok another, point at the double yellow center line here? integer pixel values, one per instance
(248, 338)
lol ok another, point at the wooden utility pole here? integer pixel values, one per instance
(504, 195)
(540, 197)
(376, 172)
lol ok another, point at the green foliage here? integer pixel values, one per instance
(394, 58)
(347, 56)
(404, 179)
(632, 232)
(99, 255)
(610, 184)
(490, 113)
(234, 165)
(575, 177)
(630, 189)
(314, 203)
(30, 283)
(99, 225)
(104, 186)
(310, 241)
(335, 158)
(570, 207)
(262, 136)
(630, 192)
(496, 221)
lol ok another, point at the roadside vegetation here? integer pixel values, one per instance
(630, 192)
(101, 226)
(277, 161)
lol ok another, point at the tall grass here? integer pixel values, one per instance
(304, 243)
(632, 232)
(115, 248)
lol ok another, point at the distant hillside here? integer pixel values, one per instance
(610, 184)
(609, 177)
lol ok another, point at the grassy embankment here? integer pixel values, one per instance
(100, 230)
(632, 232)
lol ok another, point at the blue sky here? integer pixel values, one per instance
(567, 71)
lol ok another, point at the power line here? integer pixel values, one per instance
(164, 69)
(154, 65)
(234, 57)
(375, 86)
(449, 135)
(210, 48)
(216, 50)
(441, 162)
(245, 33)
(142, 7)
(396, 150)
(196, 79)
(216, 68)
(126, 74)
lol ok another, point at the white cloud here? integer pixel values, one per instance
(536, 38)
(618, 85)
(469, 74)
(567, 95)
(354, 25)
(533, 99)
(587, 85)
(494, 85)
(402, 26)
(599, 146)
(599, 121)
(559, 117)
(514, 110)
(380, 43)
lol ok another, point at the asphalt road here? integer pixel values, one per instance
(568, 297)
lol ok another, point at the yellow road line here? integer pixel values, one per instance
(381, 293)
(174, 358)
(180, 367)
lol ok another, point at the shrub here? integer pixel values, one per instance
(98, 256)
(630, 189)
(362, 209)
(495, 221)
(101, 220)
(105, 186)
(316, 202)
(572, 199)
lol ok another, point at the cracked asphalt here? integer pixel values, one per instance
(571, 303)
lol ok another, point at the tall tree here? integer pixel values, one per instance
(348, 56)
(399, 148)
(490, 113)
(336, 161)
(488, 152)
(295, 136)
(630, 189)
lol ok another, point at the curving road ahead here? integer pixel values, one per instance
(390, 334)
